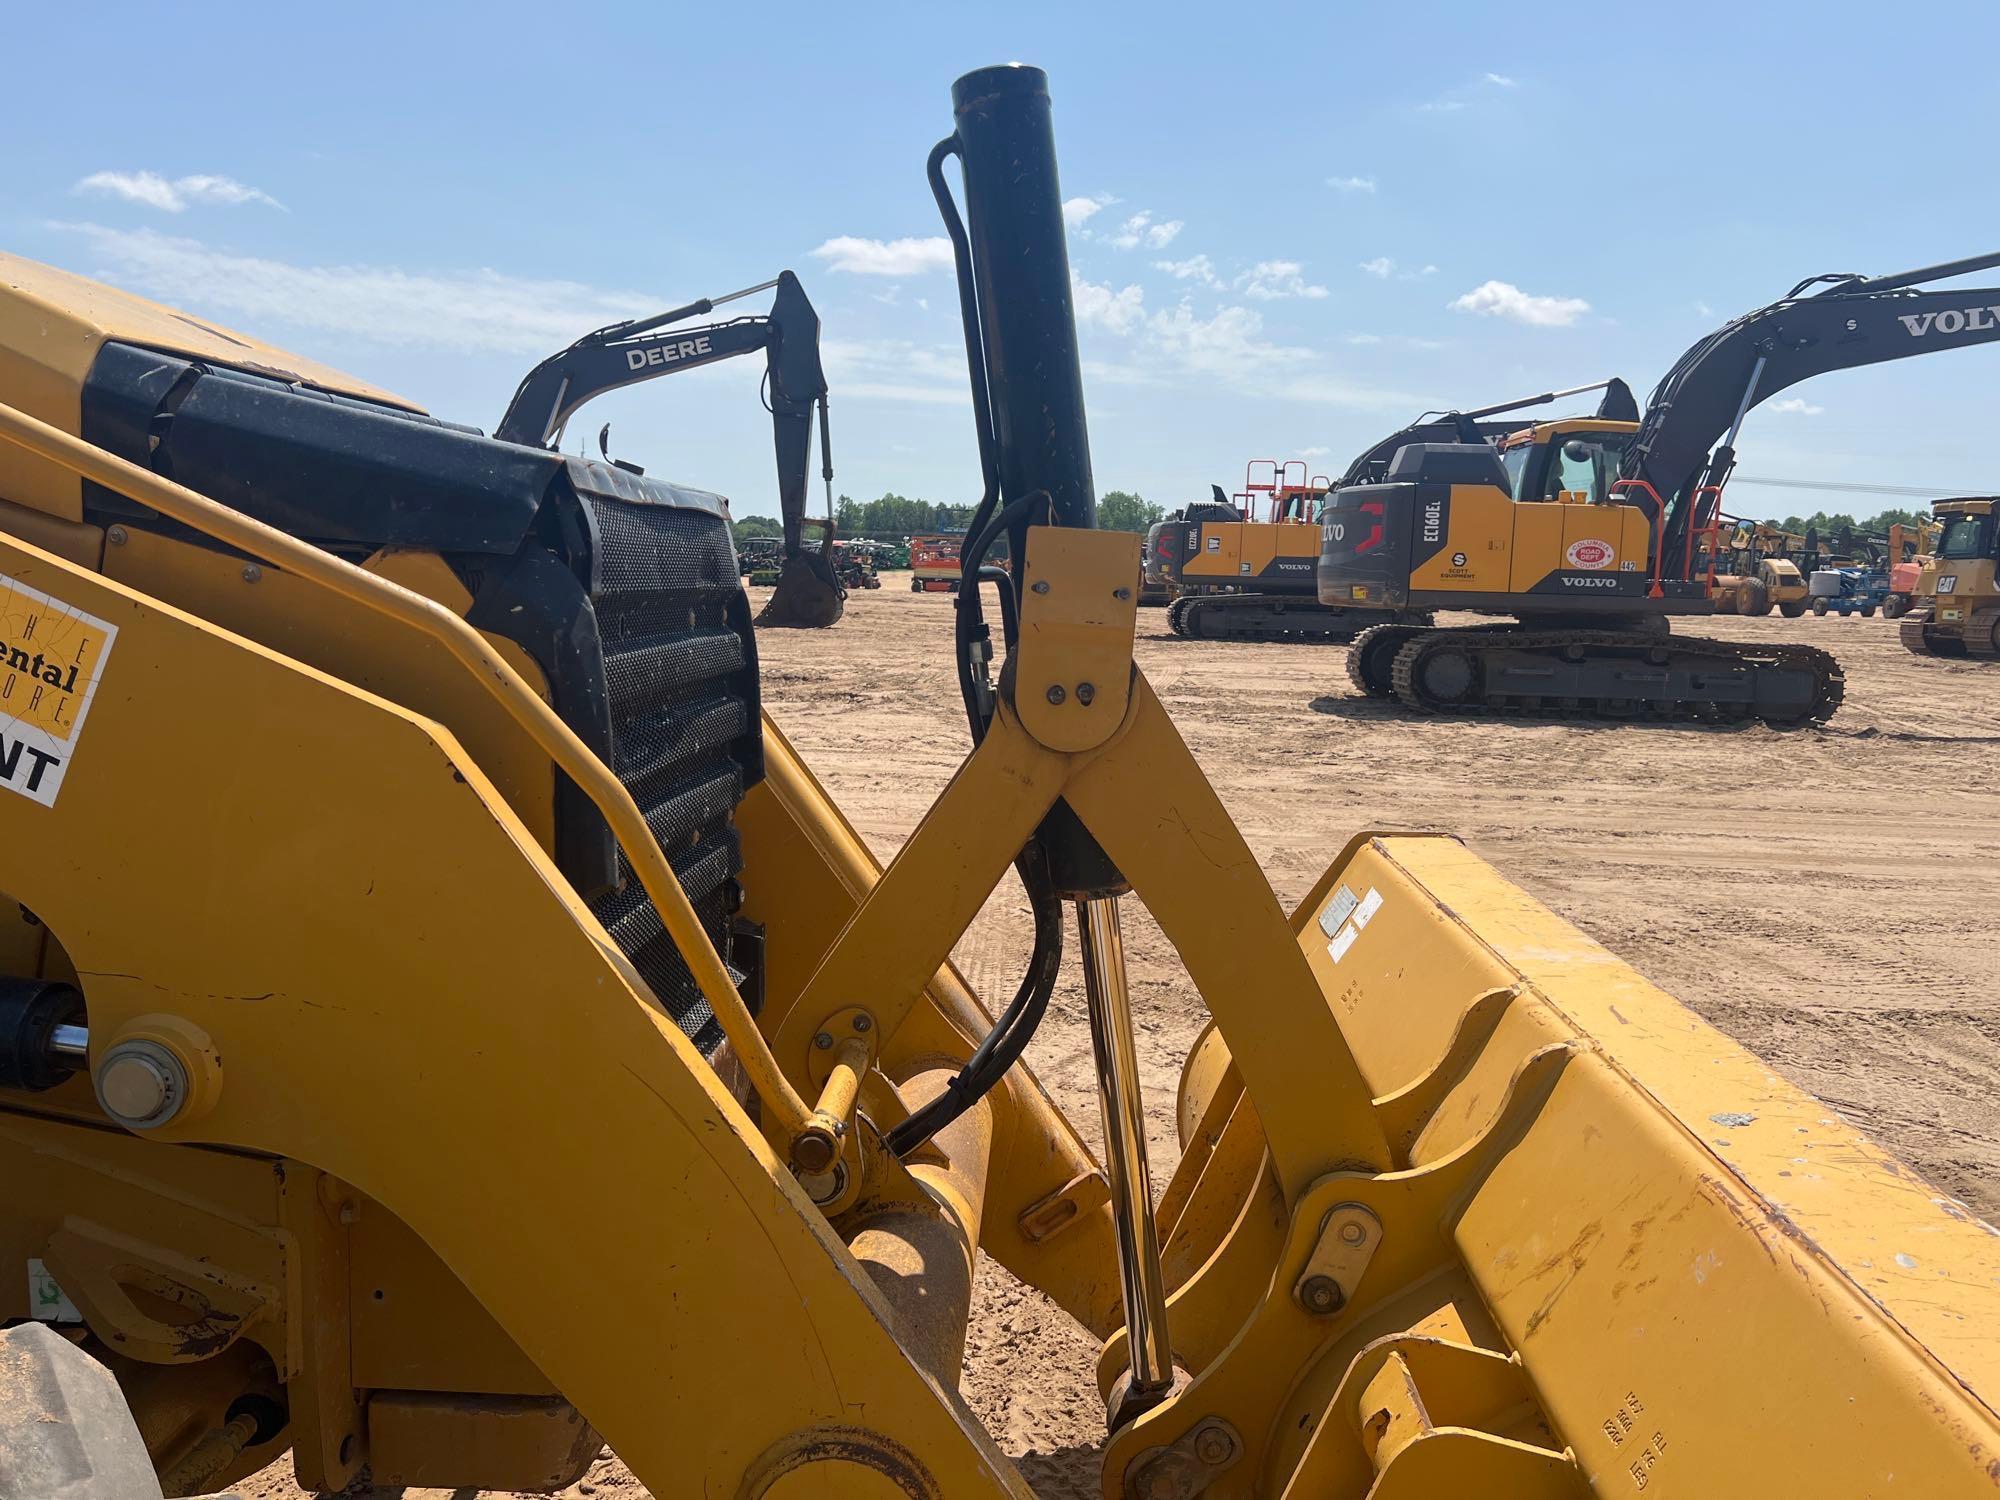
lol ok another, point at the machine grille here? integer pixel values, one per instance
(681, 678)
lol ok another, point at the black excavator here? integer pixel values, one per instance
(1593, 532)
(622, 354)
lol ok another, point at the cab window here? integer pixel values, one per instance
(1516, 460)
(1585, 463)
(1964, 537)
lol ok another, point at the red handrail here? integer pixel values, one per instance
(1659, 530)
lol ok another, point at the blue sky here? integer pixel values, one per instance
(1295, 225)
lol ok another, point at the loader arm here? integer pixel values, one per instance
(1685, 446)
(624, 354)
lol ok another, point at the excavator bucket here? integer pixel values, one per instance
(807, 595)
(373, 935)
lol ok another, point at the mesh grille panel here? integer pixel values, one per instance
(681, 686)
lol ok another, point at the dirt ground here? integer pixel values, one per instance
(1825, 897)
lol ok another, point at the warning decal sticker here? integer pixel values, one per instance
(51, 659)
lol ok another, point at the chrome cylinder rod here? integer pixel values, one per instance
(1124, 1114)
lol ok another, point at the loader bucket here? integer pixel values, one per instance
(807, 595)
(1617, 1253)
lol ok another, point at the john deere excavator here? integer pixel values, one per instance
(809, 592)
(1593, 534)
(402, 883)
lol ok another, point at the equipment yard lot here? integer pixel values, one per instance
(1852, 869)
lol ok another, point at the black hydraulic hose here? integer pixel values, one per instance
(1009, 1037)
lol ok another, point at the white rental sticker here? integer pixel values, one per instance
(1338, 910)
(52, 657)
(1358, 913)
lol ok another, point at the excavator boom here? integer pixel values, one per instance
(643, 349)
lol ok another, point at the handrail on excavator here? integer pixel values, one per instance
(521, 703)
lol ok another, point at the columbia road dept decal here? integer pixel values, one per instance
(52, 656)
(1590, 553)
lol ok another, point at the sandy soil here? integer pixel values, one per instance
(1825, 896)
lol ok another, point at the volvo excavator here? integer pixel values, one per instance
(402, 884)
(809, 592)
(1593, 534)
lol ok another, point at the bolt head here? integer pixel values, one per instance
(1352, 1233)
(864, 1022)
(251, 572)
(1040, 585)
(1056, 693)
(1086, 692)
(824, 1041)
(1322, 1294)
(1121, 593)
(1213, 1446)
(116, 536)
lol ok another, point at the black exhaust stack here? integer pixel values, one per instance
(1027, 380)
(1020, 267)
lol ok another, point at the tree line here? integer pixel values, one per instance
(894, 516)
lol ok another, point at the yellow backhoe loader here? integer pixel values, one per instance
(400, 874)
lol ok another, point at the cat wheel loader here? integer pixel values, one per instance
(402, 882)
(1593, 534)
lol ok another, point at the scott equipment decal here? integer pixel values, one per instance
(1588, 552)
(51, 659)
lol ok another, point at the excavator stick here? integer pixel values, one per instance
(315, 1059)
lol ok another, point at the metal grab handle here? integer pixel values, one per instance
(522, 704)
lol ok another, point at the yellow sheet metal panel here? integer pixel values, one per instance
(418, 1004)
(52, 324)
(358, 645)
(1478, 541)
(1538, 543)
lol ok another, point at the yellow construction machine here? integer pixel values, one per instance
(402, 883)
(1955, 607)
(1593, 534)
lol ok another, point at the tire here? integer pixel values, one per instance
(1754, 598)
(1819, 607)
(1868, 610)
(1895, 607)
(1791, 609)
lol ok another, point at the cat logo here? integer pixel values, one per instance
(51, 659)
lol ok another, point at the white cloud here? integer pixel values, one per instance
(1442, 106)
(1143, 229)
(467, 311)
(1502, 80)
(1273, 280)
(1380, 266)
(1101, 307)
(1428, 270)
(1796, 405)
(895, 370)
(1702, 309)
(1351, 184)
(172, 195)
(1314, 452)
(1502, 299)
(1362, 339)
(1076, 211)
(906, 257)
(1194, 268)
